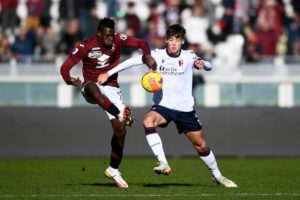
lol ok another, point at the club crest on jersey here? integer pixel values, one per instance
(180, 62)
(123, 36)
(94, 54)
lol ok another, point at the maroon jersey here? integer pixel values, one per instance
(97, 60)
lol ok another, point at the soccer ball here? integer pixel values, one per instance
(152, 81)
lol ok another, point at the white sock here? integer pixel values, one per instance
(155, 144)
(112, 170)
(211, 163)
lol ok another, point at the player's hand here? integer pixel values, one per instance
(150, 62)
(199, 64)
(74, 81)
(102, 78)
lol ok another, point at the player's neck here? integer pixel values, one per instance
(176, 54)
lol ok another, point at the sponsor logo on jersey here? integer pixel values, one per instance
(180, 62)
(123, 36)
(172, 67)
(94, 54)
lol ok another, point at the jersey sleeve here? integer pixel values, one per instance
(135, 61)
(156, 54)
(207, 64)
(78, 53)
(133, 42)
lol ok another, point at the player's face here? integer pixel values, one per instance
(106, 37)
(174, 45)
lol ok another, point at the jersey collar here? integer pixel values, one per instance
(173, 55)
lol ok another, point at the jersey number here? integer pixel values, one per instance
(102, 61)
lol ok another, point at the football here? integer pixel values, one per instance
(152, 81)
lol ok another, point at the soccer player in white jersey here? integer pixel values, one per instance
(174, 102)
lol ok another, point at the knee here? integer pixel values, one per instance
(201, 146)
(148, 122)
(91, 89)
(119, 130)
(200, 143)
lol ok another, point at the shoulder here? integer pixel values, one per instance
(89, 42)
(189, 54)
(157, 52)
(92, 39)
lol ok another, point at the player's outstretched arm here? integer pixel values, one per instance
(144, 46)
(150, 62)
(135, 61)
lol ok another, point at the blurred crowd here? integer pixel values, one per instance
(227, 31)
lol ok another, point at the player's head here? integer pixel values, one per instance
(175, 38)
(106, 32)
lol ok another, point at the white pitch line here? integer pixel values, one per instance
(147, 195)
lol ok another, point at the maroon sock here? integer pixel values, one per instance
(109, 107)
(116, 153)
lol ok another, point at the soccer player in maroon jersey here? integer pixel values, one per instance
(99, 54)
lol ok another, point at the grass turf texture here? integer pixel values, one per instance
(83, 178)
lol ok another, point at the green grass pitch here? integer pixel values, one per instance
(83, 178)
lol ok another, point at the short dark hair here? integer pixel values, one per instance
(176, 30)
(106, 22)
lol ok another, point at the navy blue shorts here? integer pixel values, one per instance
(184, 121)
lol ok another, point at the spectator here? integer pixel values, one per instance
(173, 11)
(70, 38)
(192, 19)
(152, 36)
(269, 27)
(23, 47)
(226, 24)
(34, 8)
(9, 16)
(156, 19)
(5, 52)
(90, 23)
(293, 30)
(88, 17)
(45, 15)
(112, 7)
(49, 42)
(68, 10)
(251, 47)
(132, 19)
(223, 27)
(156, 28)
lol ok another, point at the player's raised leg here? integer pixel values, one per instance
(207, 156)
(151, 120)
(93, 94)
